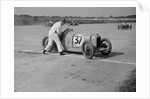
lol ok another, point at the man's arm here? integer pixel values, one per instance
(65, 32)
(58, 29)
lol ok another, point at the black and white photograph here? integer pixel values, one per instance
(75, 49)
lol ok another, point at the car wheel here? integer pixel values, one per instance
(88, 49)
(130, 26)
(45, 42)
(106, 46)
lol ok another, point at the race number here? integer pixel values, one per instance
(78, 39)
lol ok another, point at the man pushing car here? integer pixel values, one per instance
(53, 35)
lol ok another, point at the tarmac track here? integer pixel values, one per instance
(82, 57)
(35, 72)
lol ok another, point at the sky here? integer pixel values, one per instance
(76, 11)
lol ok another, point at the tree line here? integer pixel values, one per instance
(25, 19)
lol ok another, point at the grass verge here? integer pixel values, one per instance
(129, 84)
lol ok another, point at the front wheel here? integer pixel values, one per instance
(88, 49)
(130, 26)
(106, 46)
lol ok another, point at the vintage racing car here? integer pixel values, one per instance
(124, 26)
(80, 42)
(73, 23)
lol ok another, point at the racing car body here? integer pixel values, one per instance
(81, 42)
(73, 23)
(124, 26)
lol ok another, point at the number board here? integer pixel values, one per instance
(78, 40)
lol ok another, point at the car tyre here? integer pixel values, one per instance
(45, 42)
(106, 44)
(88, 49)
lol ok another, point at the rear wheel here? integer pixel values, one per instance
(45, 43)
(106, 46)
(88, 49)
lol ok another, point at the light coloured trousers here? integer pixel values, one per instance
(54, 37)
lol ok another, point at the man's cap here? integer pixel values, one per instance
(50, 22)
(63, 20)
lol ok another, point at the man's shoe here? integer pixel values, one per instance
(62, 53)
(44, 52)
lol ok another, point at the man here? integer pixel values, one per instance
(51, 23)
(53, 35)
(124, 23)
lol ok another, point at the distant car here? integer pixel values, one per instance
(73, 23)
(79, 42)
(124, 26)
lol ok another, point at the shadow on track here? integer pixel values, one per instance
(29, 52)
(97, 55)
(73, 52)
(112, 54)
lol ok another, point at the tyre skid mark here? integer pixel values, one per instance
(79, 56)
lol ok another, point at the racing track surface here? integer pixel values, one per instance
(35, 72)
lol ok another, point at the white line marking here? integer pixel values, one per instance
(28, 51)
(79, 56)
(106, 60)
(32, 43)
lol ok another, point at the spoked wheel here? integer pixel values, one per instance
(105, 46)
(88, 49)
(130, 26)
(45, 43)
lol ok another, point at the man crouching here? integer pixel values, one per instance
(53, 35)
